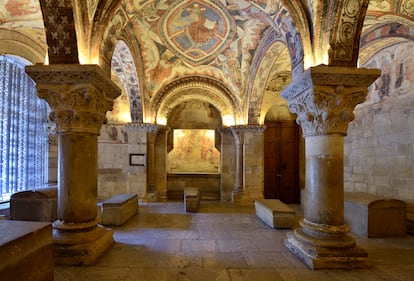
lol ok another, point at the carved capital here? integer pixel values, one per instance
(324, 97)
(146, 127)
(240, 130)
(79, 95)
(151, 129)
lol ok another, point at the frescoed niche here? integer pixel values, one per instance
(194, 152)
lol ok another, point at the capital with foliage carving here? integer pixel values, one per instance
(79, 95)
(240, 130)
(324, 97)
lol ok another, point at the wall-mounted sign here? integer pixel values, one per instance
(137, 159)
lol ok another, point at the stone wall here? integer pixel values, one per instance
(379, 148)
(115, 174)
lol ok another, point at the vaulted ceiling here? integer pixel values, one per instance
(242, 53)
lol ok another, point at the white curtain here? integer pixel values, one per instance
(23, 140)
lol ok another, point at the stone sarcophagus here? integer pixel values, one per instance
(372, 216)
(34, 205)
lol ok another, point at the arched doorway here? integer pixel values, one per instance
(281, 156)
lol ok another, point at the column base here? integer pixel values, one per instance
(150, 196)
(74, 245)
(326, 247)
(238, 196)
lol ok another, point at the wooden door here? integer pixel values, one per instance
(281, 145)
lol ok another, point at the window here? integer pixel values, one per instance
(23, 139)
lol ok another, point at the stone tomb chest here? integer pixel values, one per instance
(34, 205)
(373, 216)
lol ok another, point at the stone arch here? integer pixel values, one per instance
(383, 35)
(294, 36)
(196, 88)
(109, 37)
(124, 66)
(274, 65)
(15, 43)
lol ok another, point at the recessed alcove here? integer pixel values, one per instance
(193, 150)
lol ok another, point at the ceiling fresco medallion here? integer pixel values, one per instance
(197, 30)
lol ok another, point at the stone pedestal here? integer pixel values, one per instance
(79, 96)
(323, 98)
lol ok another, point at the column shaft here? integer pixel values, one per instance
(78, 172)
(323, 195)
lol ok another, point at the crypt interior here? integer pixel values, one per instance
(310, 102)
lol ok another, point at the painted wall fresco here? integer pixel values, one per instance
(113, 133)
(397, 77)
(220, 38)
(379, 151)
(23, 16)
(193, 152)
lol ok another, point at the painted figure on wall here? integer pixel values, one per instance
(194, 152)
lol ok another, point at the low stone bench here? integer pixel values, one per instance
(26, 251)
(191, 199)
(118, 209)
(373, 216)
(34, 205)
(275, 213)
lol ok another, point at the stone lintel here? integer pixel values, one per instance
(324, 97)
(79, 95)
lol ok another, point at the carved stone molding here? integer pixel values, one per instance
(324, 97)
(240, 130)
(138, 126)
(79, 95)
(347, 30)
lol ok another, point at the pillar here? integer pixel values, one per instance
(227, 164)
(79, 96)
(243, 135)
(238, 134)
(161, 153)
(324, 99)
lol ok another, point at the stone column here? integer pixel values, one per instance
(79, 96)
(227, 164)
(324, 99)
(160, 151)
(238, 134)
(152, 131)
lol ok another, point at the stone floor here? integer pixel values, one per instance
(223, 242)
